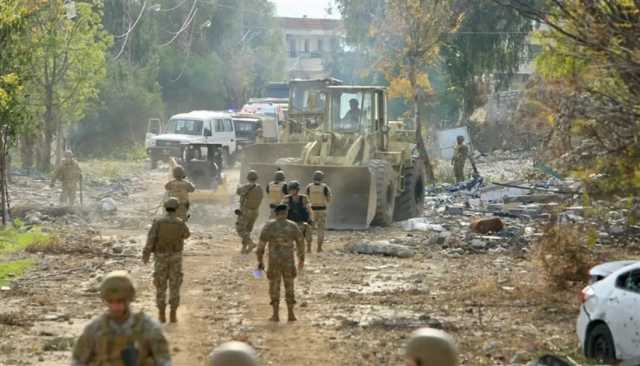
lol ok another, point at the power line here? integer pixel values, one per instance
(190, 16)
(128, 32)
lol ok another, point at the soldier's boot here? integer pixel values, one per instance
(308, 247)
(319, 246)
(250, 247)
(276, 312)
(292, 316)
(173, 316)
(162, 316)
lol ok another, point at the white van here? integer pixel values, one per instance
(203, 127)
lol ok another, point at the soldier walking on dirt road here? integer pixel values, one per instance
(433, 347)
(276, 190)
(460, 156)
(280, 235)
(299, 211)
(233, 354)
(69, 173)
(166, 241)
(319, 195)
(120, 337)
(250, 199)
(180, 188)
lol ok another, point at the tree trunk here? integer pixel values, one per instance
(422, 149)
(27, 150)
(49, 124)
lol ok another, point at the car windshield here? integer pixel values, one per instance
(245, 128)
(351, 111)
(185, 127)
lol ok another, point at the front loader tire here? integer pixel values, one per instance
(385, 192)
(410, 203)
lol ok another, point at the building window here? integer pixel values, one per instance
(292, 48)
(320, 46)
(306, 46)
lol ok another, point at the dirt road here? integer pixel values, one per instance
(352, 309)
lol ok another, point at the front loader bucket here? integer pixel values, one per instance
(353, 201)
(268, 154)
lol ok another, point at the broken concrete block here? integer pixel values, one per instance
(454, 210)
(380, 248)
(534, 198)
(486, 225)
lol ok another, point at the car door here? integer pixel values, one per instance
(230, 133)
(623, 315)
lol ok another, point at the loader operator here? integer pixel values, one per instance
(250, 198)
(70, 175)
(276, 190)
(299, 211)
(351, 120)
(180, 188)
(319, 195)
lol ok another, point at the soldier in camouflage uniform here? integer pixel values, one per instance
(433, 347)
(69, 173)
(279, 235)
(460, 156)
(250, 199)
(233, 354)
(166, 241)
(319, 195)
(121, 337)
(299, 211)
(180, 188)
(276, 190)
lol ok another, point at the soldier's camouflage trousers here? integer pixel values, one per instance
(320, 224)
(244, 226)
(458, 171)
(282, 272)
(168, 270)
(306, 231)
(68, 196)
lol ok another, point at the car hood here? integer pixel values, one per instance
(605, 269)
(177, 137)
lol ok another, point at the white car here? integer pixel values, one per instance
(609, 323)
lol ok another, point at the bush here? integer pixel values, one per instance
(565, 253)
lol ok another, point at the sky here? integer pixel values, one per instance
(298, 8)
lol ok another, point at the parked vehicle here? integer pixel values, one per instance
(609, 322)
(197, 127)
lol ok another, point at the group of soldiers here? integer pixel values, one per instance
(123, 337)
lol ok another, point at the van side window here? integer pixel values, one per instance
(219, 125)
(207, 128)
(228, 125)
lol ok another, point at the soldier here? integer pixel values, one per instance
(120, 337)
(233, 354)
(460, 156)
(280, 234)
(69, 173)
(166, 241)
(250, 199)
(180, 188)
(299, 211)
(276, 190)
(431, 347)
(319, 195)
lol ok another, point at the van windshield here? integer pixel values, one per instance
(185, 127)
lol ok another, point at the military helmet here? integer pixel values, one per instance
(178, 172)
(279, 176)
(294, 184)
(318, 175)
(233, 354)
(68, 154)
(117, 285)
(171, 203)
(252, 175)
(432, 347)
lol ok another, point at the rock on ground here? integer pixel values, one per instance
(380, 248)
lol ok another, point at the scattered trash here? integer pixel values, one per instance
(380, 248)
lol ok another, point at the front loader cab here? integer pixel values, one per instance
(307, 104)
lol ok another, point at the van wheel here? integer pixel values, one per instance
(600, 344)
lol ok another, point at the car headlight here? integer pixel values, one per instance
(152, 143)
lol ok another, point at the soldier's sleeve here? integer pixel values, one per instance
(308, 189)
(190, 187)
(83, 349)
(262, 243)
(285, 189)
(158, 344)
(299, 239)
(152, 238)
(260, 194)
(167, 187)
(266, 189)
(327, 193)
(241, 191)
(187, 232)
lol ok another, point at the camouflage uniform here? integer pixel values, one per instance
(460, 156)
(280, 235)
(300, 213)
(69, 173)
(319, 195)
(166, 241)
(103, 341)
(276, 191)
(180, 189)
(250, 199)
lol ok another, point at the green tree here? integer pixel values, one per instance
(68, 61)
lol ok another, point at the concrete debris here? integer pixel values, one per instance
(486, 225)
(383, 247)
(420, 224)
(107, 206)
